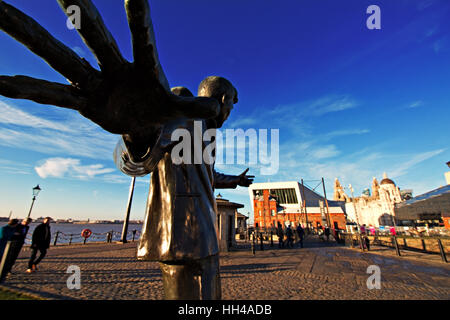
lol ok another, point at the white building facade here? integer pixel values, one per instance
(374, 210)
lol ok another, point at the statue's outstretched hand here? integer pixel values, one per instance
(245, 180)
(132, 99)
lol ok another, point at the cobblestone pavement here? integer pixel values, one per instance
(319, 271)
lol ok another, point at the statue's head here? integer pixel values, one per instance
(223, 91)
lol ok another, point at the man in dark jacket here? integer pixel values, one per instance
(327, 233)
(301, 235)
(280, 234)
(40, 241)
(17, 240)
(6, 234)
(290, 237)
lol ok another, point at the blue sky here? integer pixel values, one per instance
(349, 102)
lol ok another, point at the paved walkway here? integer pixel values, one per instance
(318, 271)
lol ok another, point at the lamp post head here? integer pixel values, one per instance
(36, 191)
(448, 163)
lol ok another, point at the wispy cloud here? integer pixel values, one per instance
(332, 104)
(15, 116)
(295, 116)
(403, 168)
(69, 167)
(416, 104)
(440, 45)
(14, 167)
(424, 4)
(71, 135)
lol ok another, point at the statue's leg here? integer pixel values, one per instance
(192, 280)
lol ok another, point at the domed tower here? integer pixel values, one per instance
(389, 187)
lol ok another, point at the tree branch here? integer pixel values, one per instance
(41, 91)
(27, 31)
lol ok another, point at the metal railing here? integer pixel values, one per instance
(392, 241)
(60, 237)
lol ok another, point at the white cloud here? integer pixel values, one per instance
(70, 135)
(440, 45)
(324, 152)
(416, 104)
(402, 168)
(14, 167)
(331, 104)
(15, 116)
(68, 167)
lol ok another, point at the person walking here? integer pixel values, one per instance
(301, 235)
(40, 242)
(290, 237)
(6, 233)
(367, 243)
(17, 241)
(280, 235)
(327, 233)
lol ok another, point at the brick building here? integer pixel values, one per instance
(290, 203)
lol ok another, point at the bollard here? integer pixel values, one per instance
(424, 247)
(56, 238)
(441, 248)
(271, 238)
(3, 261)
(261, 241)
(397, 249)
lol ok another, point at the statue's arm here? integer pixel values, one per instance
(225, 181)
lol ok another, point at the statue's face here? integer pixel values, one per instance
(226, 105)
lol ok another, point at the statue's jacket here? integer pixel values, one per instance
(181, 211)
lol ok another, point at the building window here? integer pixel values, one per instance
(272, 212)
(285, 195)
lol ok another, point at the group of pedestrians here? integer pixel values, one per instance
(324, 231)
(287, 236)
(15, 233)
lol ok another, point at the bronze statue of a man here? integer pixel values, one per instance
(135, 101)
(180, 223)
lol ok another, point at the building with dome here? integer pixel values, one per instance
(375, 208)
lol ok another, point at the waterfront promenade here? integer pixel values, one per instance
(319, 271)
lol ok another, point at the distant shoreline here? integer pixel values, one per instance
(5, 219)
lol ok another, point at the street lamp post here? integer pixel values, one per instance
(127, 215)
(357, 218)
(36, 191)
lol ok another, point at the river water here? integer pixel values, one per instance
(99, 231)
